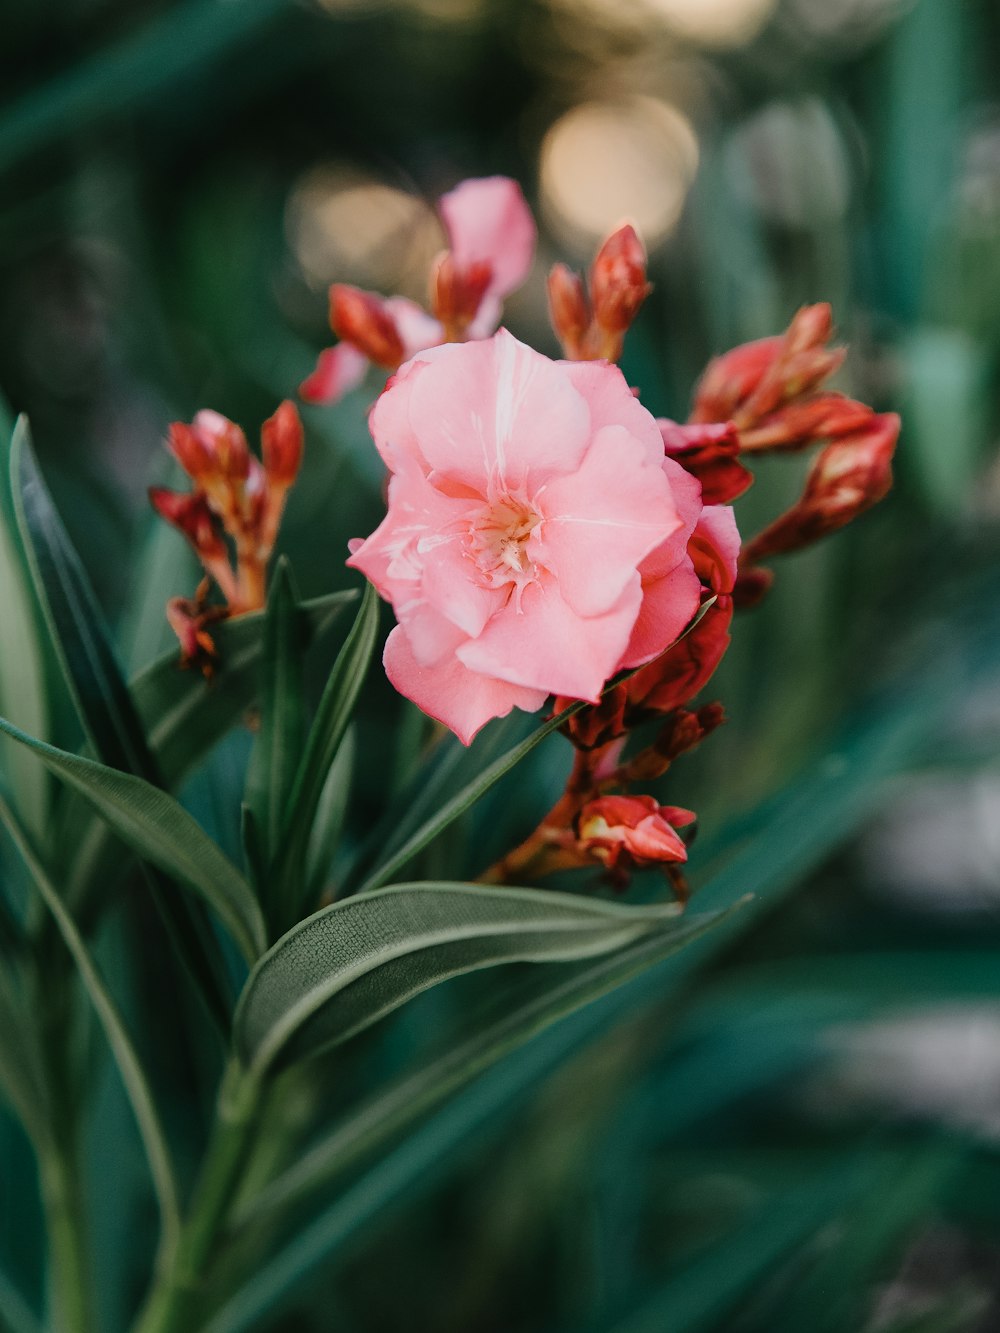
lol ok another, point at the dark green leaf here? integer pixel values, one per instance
(278, 747)
(160, 831)
(350, 964)
(333, 715)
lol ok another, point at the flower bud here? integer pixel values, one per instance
(361, 319)
(618, 283)
(800, 424)
(597, 724)
(569, 310)
(281, 445)
(457, 291)
(192, 516)
(224, 444)
(847, 478)
(635, 830)
(709, 452)
(680, 673)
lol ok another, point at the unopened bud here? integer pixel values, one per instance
(801, 424)
(709, 452)
(224, 443)
(281, 444)
(190, 515)
(361, 319)
(618, 283)
(457, 291)
(569, 310)
(847, 478)
(677, 675)
(633, 829)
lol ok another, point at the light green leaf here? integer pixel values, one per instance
(350, 964)
(132, 1074)
(278, 747)
(162, 832)
(329, 820)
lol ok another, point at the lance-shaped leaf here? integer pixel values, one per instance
(336, 707)
(184, 714)
(348, 965)
(162, 832)
(83, 646)
(75, 620)
(278, 747)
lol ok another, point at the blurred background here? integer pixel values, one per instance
(798, 1127)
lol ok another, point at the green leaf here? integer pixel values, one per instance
(75, 620)
(162, 832)
(129, 1066)
(329, 821)
(22, 1082)
(184, 715)
(278, 747)
(522, 1009)
(103, 702)
(22, 668)
(462, 801)
(350, 964)
(333, 715)
(16, 1315)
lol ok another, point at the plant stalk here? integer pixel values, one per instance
(174, 1305)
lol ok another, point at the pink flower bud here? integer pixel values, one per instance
(798, 425)
(680, 673)
(361, 319)
(224, 443)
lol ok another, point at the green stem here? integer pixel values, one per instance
(69, 1283)
(173, 1305)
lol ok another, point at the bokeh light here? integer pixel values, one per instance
(349, 227)
(715, 22)
(603, 161)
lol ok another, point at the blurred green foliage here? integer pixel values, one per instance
(751, 1137)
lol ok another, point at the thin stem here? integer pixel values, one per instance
(173, 1305)
(69, 1281)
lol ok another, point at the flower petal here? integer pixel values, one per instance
(669, 604)
(338, 370)
(488, 219)
(462, 699)
(603, 519)
(543, 643)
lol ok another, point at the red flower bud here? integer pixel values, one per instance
(597, 724)
(847, 478)
(190, 515)
(708, 451)
(281, 445)
(618, 283)
(635, 829)
(457, 291)
(361, 319)
(752, 586)
(800, 424)
(677, 675)
(569, 310)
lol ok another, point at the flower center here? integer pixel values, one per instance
(498, 541)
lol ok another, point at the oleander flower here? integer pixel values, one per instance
(536, 540)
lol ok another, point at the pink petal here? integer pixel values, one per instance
(462, 699)
(668, 606)
(612, 403)
(488, 219)
(603, 519)
(544, 644)
(415, 326)
(338, 370)
(718, 524)
(494, 415)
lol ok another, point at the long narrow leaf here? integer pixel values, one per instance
(129, 1066)
(521, 1011)
(462, 801)
(162, 832)
(350, 964)
(75, 620)
(277, 750)
(333, 716)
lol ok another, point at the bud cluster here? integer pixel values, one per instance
(591, 322)
(230, 516)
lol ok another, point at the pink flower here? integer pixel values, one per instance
(491, 243)
(536, 537)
